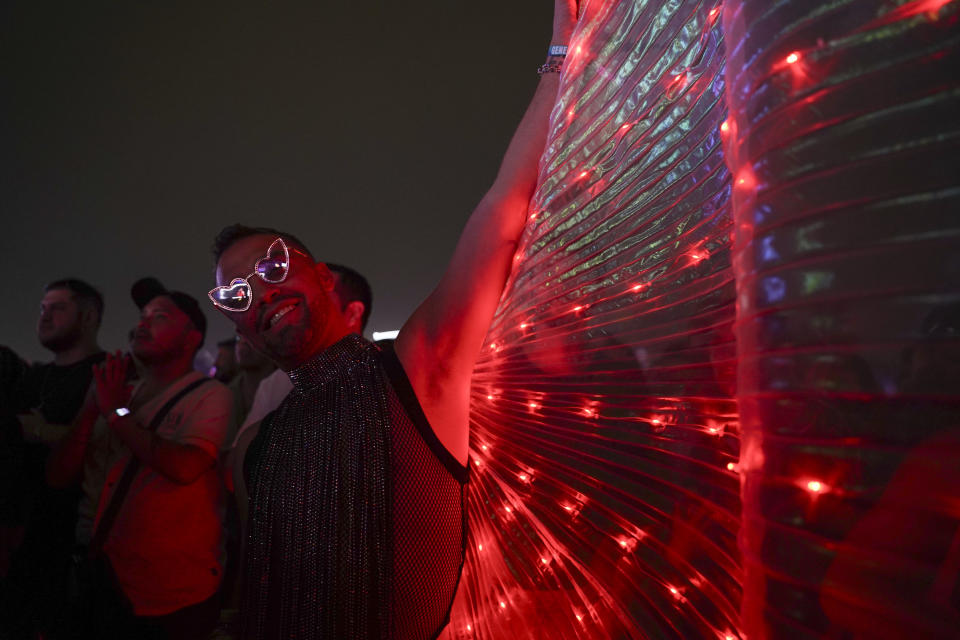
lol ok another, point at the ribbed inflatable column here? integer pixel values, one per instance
(844, 146)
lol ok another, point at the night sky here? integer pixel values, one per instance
(132, 133)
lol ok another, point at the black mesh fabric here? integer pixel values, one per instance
(429, 515)
(357, 513)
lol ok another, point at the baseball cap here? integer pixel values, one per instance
(146, 289)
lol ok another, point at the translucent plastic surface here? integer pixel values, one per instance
(844, 150)
(604, 501)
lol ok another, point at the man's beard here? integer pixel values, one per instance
(66, 339)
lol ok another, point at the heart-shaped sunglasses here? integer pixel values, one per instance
(272, 268)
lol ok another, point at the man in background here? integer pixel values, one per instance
(158, 530)
(225, 367)
(48, 398)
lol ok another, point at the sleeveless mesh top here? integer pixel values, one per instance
(357, 516)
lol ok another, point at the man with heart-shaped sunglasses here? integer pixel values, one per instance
(357, 524)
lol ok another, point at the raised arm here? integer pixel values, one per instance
(440, 343)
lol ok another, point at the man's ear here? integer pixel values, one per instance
(89, 318)
(353, 314)
(325, 276)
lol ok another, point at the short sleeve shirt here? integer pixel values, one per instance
(166, 543)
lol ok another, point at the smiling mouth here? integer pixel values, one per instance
(279, 313)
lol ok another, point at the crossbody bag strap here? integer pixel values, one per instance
(130, 472)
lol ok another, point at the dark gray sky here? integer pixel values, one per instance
(132, 133)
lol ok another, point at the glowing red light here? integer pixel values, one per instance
(714, 13)
(656, 422)
(489, 397)
(625, 127)
(731, 466)
(815, 486)
(479, 547)
(725, 126)
(483, 446)
(503, 605)
(523, 477)
(793, 58)
(544, 561)
(533, 216)
(745, 179)
(579, 49)
(508, 509)
(533, 406)
(584, 174)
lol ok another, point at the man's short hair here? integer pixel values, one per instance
(231, 234)
(353, 286)
(83, 292)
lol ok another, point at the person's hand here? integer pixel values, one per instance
(110, 380)
(565, 14)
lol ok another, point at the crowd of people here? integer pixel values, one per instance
(103, 525)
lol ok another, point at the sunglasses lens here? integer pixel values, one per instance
(235, 297)
(273, 268)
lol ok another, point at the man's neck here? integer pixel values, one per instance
(76, 353)
(334, 335)
(160, 375)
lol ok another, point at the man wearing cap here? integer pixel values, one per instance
(158, 529)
